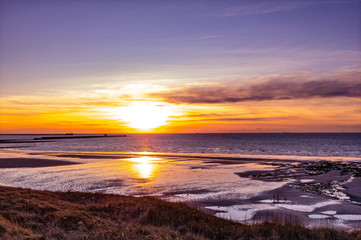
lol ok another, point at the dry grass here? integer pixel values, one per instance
(30, 214)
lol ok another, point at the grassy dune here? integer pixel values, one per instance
(30, 214)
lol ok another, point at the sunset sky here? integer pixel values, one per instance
(180, 66)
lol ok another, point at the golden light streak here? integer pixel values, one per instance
(144, 167)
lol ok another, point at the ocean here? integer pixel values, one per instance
(266, 144)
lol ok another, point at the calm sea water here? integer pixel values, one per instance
(289, 144)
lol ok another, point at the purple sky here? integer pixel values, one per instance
(194, 66)
(47, 44)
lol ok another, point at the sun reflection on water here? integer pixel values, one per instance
(144, 167)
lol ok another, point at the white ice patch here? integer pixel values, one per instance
(349, 180)
(240, 212)
(211, 195)
(274, 201)
(329, 212)
(348, 217)
(247, 211)
(318, 216)
(307, 208)
(336, 194)
(227, 190)
(306, 196)
(335, 191)
(306, 180)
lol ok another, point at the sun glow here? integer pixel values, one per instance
(144, 167)
(145, 115)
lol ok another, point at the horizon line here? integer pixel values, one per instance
(177, 133)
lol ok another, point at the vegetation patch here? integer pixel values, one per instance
(31, 214)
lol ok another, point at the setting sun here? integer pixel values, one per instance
(145, 115)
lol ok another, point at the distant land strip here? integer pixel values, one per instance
(67, 137)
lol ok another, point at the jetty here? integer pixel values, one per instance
(71, 137)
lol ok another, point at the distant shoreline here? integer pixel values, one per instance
(72, 137)
(147, 133)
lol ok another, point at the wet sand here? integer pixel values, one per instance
(31, 163)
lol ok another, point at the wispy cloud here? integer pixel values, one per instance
(346, 84)
(255, 8)
(248, 119)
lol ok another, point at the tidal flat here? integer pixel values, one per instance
(317, 193)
